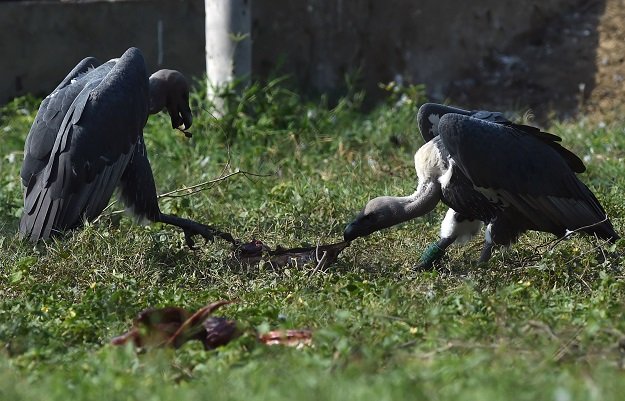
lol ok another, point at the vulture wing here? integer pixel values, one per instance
(522, 168)
(94, 143)
(137, 189)
(430, 114)
(575, 163)
(45, 128)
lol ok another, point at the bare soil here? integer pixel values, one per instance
(607, 100)
(570, 66)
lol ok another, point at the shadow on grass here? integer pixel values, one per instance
(8, 226)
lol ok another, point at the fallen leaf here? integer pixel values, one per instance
(153, 327)
(173, 326)
(290, 338)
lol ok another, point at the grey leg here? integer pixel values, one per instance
(192, 228)
(487, 252)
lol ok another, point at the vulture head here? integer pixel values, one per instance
(379, 213)
(169, 90)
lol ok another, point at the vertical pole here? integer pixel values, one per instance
(228, 44)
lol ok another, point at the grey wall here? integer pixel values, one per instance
(426, 41)
(41, 41)
(446, 44)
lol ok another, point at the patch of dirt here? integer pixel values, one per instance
(607, 100)
(571, 66)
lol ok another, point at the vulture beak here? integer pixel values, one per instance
(360, 227)
(180, 115)
(350, 233)
(187, 118)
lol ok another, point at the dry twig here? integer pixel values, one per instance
(537, 254)
(202, 186)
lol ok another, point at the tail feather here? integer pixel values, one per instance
(603, 230)
(37, 220)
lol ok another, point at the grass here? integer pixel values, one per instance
(539, 323)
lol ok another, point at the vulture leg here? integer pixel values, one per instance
(487, 249)
(138, 193)
(192, 228)
(487, 252)
(455, 227)
(434, 252)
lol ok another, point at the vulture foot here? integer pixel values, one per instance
(192, 228)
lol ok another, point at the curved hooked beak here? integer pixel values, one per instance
(350, 232)
(180, 116)
(359, 227)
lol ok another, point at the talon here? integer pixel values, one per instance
(192, 228)
(188, 238)
(209, 237)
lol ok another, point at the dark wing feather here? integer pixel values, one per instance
(429, 116)
(492, 116)
(48, 121)
(575, 163)
(524, 171)
(431, 113)
(93, 146)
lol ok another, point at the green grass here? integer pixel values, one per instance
(539, 323)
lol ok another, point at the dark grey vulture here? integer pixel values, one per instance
(87, 140)
(511, 177)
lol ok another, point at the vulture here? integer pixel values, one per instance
(487, 169)
(87, 141)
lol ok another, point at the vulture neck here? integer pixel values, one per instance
(404, 208)
(157, 95)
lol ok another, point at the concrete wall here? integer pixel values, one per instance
(41, 41)
(424, 41)
(317, 41)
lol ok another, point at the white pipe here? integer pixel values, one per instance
(228, 42)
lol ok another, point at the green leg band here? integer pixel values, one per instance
(430, 255)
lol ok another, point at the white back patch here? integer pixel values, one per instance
(428, 162)
(434, 119)
(446, 176)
